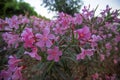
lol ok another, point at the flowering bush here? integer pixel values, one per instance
(83, 46)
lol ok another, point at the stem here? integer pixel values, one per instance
(5, 31)
(73, 37)
(67, 47)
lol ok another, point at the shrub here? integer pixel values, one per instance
(84, 46)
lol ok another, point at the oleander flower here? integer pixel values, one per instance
(13, 23)
(34, 54)
(5, 75)
(83, 33)
(45, 39)
(13, 62)
(102, 57)
(54, 54)
(95, 76)
(17, 75)
(28, 37)
(77, 19)
(84, 53)
(11, 39)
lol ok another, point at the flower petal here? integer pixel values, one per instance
(51, 36)
(40, 44)
(39, 35)
(49, 57)
(48, 43)
(56, 58)
(46, 31)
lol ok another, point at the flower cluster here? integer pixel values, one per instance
(83, 35)
(14, 70)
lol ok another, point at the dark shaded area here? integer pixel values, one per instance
(13, 7)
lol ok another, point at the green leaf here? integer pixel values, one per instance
(20, 51)
(70, 58)
(50, 66)
(61, 73)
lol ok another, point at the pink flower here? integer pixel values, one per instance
(5, 75)
(81, 56)
(62, 24)
(83, 33)
(58, 29)
(11, 39)
(95, 76)
(24, 19)
(45, 39)
(108, 46)
(54, 54)
(12, 22)
(13, 72)
(96, 38)
(13, 62)
(87, 13)
(33, 54)
(117, 39)
(28, 37)
(104, 12)
(17, 75)
(88, 52)
(115, 61)
(77, 19)
(102, 57)
(107, 77)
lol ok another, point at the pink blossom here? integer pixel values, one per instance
(115, 61)
(45, 39)
(113, 77)
(13, 23)
(77, 19)
(13, 72)
(96, 38)
(63, 23)
(87, 13)
(81, 56)
(5, 75)
(107, 53)
(107, 77)
(117, 39)
(13, 62)
(116, 48)
(108, 46)
(11, 39)
(24, 20)
(95, 76)
(34, 54)
(102, 57)
(58, 29)
(54, 54)
(28, 37)
(88, 52)
(17, 75)
(104, 12)
(83, 33)
(64, 20)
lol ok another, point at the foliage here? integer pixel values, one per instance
(67, 6)
(83, 47)
(13, 7)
